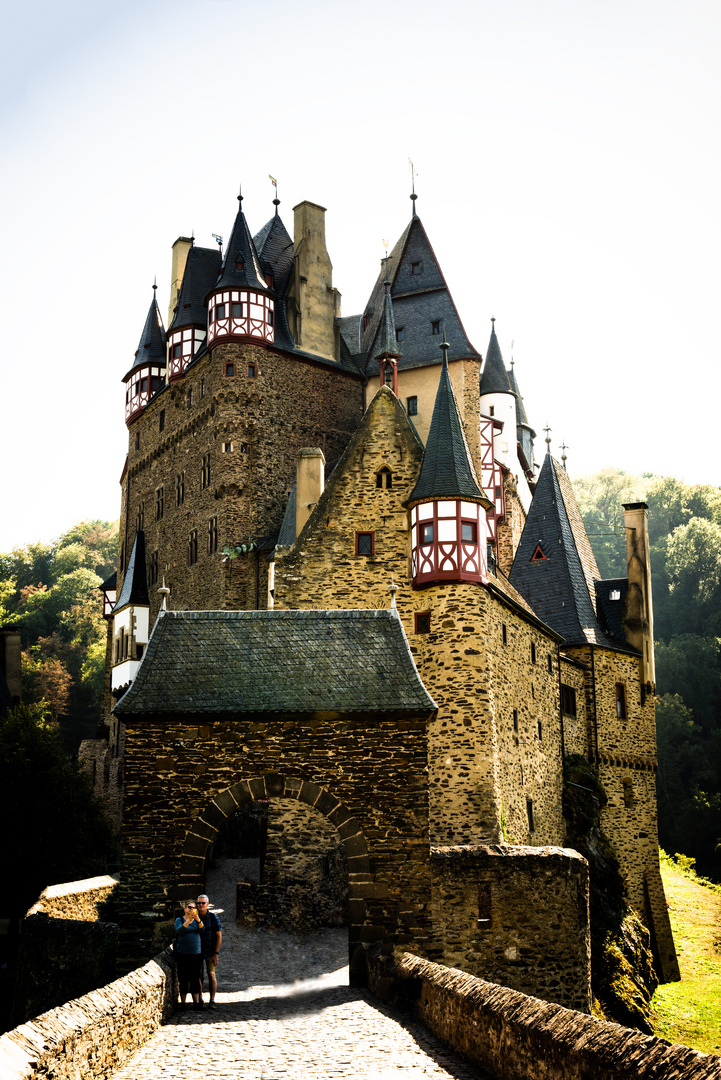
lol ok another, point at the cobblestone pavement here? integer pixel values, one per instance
(285, 1010)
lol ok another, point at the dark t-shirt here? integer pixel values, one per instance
(208, 938)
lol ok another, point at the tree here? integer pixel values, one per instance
(693, 564)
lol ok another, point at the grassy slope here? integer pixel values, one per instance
(689, 1011)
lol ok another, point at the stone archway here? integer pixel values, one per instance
(361, 880)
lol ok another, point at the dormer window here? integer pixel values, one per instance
(615, 594)
(384, 478)
(269, 280)
(239, 264)
(436, 326)
(366, 320)
(415, 268)
(400, 333)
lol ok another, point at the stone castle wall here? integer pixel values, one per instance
(74, 899)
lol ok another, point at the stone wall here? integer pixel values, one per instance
(93, 1035)
(517, 916)
(75, 899)
(576, 727)
(511, 1036)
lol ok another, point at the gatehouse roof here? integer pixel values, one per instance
(277, 662)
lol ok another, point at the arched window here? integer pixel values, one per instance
(384, 478)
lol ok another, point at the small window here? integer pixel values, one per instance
(485, 914)
(205, 472)
(620, 701)
(436, 326)
(427, 532)
(180, 489)
(628, 800)
(271, 317)
(365, 543)
(492, 410)
(159, 503)
(550, 663)
(533, 652)
(177, 350)
(538, 554)
(423, 622)
(269, 280)
(202, 387)
(230, 369)
(244, 448)
(239, 264)
(415, 268)
(252, 371)
(497, 490)
(137, 440)
(189, 398)
(161, 420)
(412, 406)
(153, 569)
(469, 532)
(212, 536)
(529, 812)
(236, 310)
(400, 333)
(220, 311)
(121, 557)
(615, 594)
(227, 448)
(384, 478)
(193, 548)
(143, 385)
(211, 315)
(515, 721)
(540, 731)
(504, 633)
(140, 518)
(366, 320)
(568, 700)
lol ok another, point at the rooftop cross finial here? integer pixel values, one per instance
(413, 186)
(564, 448)
(165, 593)
(276, 200)
(548, 430)
(240, 193)
(393, 589)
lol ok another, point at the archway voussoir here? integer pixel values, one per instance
(359, 864)
(257, 788)
(274, 784)
(195, 845)
(309, 793)
(356, 845)
(213, 816)
(326, 804)
(202, 828)
(339, 815)
(292, 787)
(241, 793)
(191, 866)
(350, 827)
(225, 803)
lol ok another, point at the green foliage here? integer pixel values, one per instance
(55, 828)
(50, 591)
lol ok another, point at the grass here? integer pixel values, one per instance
(689, 1011)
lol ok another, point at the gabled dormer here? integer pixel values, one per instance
(188, 329)
(241, 305)
(131, 618)
(448, 507)
(147, 375)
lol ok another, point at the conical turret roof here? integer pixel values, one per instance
(386, 339)
(241, 267)
(275, 251)
(521, 417)
(152, 348)
(447, 471)
(201, 273)
(494, 379)
(135, 582)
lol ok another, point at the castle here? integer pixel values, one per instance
(345, 580)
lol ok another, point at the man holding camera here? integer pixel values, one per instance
(211, 937)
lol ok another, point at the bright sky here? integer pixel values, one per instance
(568, 176)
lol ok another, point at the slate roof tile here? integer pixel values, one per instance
(201, 272)
(494, 377)
(152, 346)
(276, 661)
(135, 582)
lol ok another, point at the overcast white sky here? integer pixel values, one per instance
(568, 177)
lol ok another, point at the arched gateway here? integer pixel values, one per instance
(325, 707)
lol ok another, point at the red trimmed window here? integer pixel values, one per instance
(469, 532)
(538, 554)
(412, 406)
(252, 371)
(620, 701)
(423, 622)
(365, 543)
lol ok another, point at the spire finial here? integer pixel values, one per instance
(165, 593)
(240, 193)
(564, 448)
(155, 283)
(413, 186)
(548, 431)
(276, 200)
(444, 346)
(393, 589)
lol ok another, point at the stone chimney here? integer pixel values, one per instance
(181, 247)
(10, 664)
(638, 621)
(314, 304)
(310, 480)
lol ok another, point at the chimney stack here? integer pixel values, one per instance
(313, 302)
(310, 480)
(638, 621)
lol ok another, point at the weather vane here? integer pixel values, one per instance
(548, 431)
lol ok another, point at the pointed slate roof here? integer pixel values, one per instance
(152, 347)
(494, 378)
(560, 583)
(201, 273)
(386, 338)
(275, 250)
(447, 470)
(241, 267)
(420, 298)
(135, 582)
(254, 662)
(521, 416)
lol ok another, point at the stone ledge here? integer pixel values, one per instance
(93, 1035)
(510, 1034)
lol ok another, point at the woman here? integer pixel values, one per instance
(188, 954)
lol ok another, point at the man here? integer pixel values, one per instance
(211, 937)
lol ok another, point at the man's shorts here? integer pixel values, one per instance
(210, 963)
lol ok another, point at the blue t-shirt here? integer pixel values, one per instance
(209, 933)
(187, 938)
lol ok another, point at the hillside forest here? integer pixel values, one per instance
(51, 592)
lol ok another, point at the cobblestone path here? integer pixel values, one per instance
(285, 1010)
